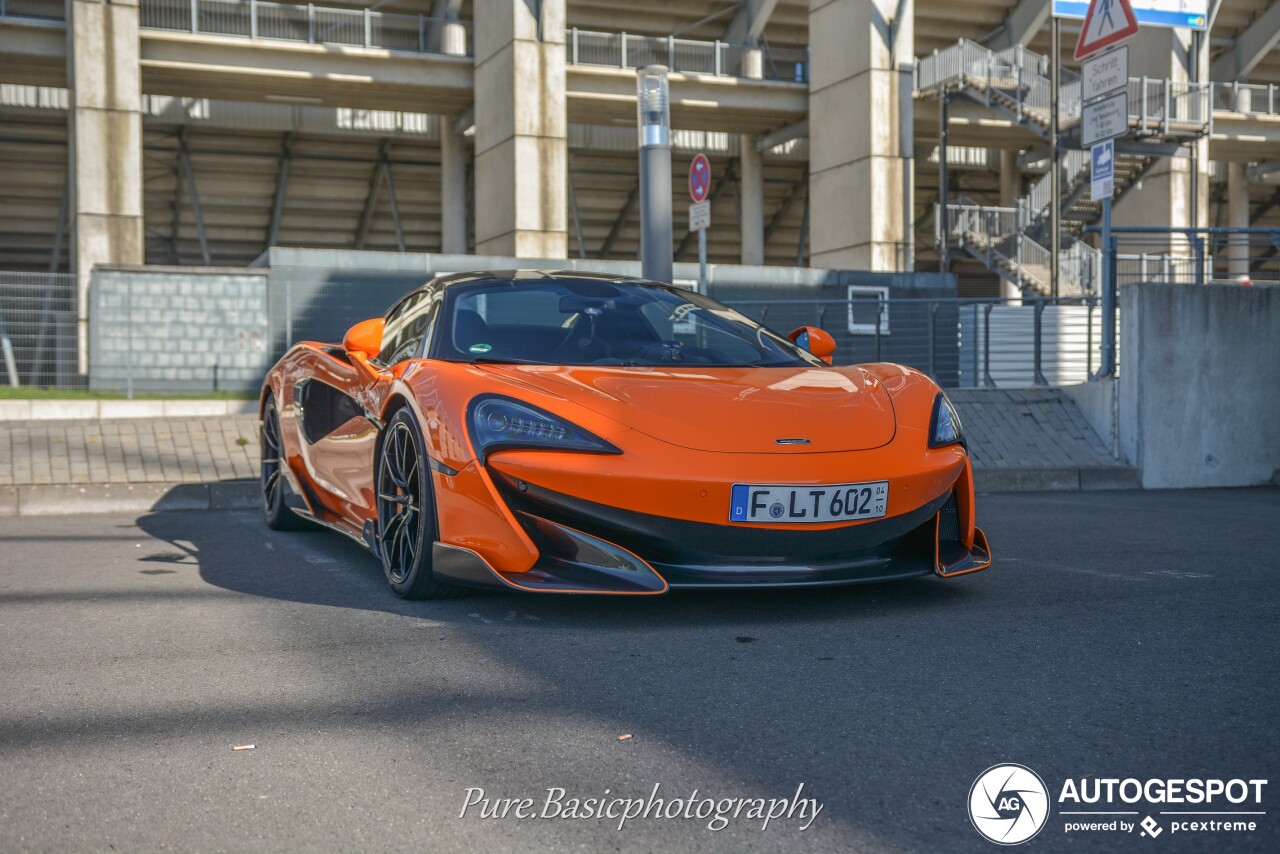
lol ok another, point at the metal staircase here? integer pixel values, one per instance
(1013, 81)
(1015, 84)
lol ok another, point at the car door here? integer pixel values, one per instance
(340, 406)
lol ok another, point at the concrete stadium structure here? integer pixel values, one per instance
(204, 131)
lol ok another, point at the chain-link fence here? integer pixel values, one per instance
(178, 330)
(38, 331)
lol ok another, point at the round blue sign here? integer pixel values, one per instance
(699, 177)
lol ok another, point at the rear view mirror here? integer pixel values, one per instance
(365, 338)
(815, 340)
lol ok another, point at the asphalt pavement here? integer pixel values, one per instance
(1127, 634)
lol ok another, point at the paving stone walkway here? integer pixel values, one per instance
(1028, 429)
(155, 450)
(1019, 439)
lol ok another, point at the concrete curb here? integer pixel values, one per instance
(93, 410)
(1056, 479)
(69, 499)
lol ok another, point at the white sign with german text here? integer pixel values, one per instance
(1106, 73)
(1106, 118)
(699, 216)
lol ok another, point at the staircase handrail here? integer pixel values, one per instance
(1073, 163)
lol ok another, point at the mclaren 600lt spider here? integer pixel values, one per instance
(576, 433)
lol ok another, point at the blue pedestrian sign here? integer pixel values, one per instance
(1102, 170)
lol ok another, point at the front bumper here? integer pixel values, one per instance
(585, 547)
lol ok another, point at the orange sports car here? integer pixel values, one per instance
(578, 433)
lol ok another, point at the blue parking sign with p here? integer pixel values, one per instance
(1102, 170)
(1104, 160)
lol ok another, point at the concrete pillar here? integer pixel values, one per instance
(753, 62)
(453, 157)
(1010, 197)
(521, 129)
(1237, 217)
(1010, 179)
(1164, 196)
(453, 189)
(104, 141)
(751, 183)
(860, 133)
(453, 37)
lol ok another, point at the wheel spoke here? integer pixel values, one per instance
(410, 527)
(395, 464)
(404, 538)
(391, 528)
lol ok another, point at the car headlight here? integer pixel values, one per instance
(944, 425)
(499, 422)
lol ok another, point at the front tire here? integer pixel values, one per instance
(274, 510)
(407, 527)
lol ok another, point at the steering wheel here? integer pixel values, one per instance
(577, 346)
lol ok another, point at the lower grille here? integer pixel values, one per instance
(949, 522)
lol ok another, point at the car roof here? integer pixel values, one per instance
(446, 280)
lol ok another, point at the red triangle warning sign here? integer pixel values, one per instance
(1107, 22)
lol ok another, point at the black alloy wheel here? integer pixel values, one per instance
(274, 509)
(406, 528)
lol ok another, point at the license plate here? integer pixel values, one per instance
(840, 502)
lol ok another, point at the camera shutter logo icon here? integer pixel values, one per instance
(1008, 804)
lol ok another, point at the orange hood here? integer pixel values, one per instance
(734, 410)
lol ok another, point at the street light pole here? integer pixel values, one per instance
(1055, 178)
(654, 117)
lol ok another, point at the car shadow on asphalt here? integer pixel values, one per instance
(325, 568)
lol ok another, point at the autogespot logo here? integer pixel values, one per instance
(1008, 804)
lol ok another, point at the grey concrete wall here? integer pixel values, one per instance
(1098, 402)
(172, 328)
(1199, 401)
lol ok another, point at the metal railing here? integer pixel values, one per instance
(1195, 256)
(1017, 80)
(690, 56)
(1170, 107)
(1252, 98)
(999, 237)
(261, 19)
(1074, 163)
(960, 342)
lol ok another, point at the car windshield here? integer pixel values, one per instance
(595, 322)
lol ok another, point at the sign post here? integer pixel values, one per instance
(700, 211)
(1104, 117)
